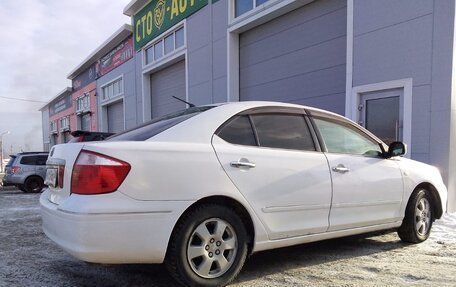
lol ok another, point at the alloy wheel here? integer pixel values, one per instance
(212, 248)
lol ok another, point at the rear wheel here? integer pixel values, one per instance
(417, 224)
(208, 247)
(33, 184)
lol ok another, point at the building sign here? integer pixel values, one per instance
(85, 78)
(160, 15)
(59, 105)
(116, 57)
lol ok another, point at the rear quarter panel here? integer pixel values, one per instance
(170, 171)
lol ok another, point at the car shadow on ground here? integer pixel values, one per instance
(271, 262)
(258, 265)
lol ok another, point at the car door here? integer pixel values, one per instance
(40, 167)
(367, 188)
(273, 161)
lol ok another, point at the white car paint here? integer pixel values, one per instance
(186, 163)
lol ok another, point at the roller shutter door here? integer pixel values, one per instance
(165, 84)
(115, 117)
(85, 122)
(298, 57)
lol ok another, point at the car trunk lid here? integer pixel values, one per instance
(59, 170)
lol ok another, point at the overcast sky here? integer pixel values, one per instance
(41, 41)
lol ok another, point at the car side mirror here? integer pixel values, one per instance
(396, 149)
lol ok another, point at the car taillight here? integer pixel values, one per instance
(60, 176)
(15, 169)
(95, 173)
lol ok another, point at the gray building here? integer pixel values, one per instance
(387, 65)
(45, 127)
(116, 84)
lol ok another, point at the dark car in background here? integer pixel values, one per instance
(85, 136)
(27, 171)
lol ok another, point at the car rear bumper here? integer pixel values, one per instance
(111, 234)
(5, 183)
(12, 179)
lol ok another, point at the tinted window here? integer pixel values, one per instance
(283, 131)
(238, 131)
(340, 138)
(41, 159)
(31, 160)
(156, 126)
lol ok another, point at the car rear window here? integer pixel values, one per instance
(11, 161)
(156, 126)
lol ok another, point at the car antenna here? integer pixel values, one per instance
(190, 104)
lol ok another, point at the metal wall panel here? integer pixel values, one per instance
(299, 57)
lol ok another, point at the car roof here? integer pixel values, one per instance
(200, 128)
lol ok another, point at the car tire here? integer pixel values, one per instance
(417, 223)
(33, 184)
(208, 246)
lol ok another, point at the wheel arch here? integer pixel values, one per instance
(230, 202)
(435, 197)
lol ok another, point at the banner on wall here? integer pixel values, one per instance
(160, 15)
(116, 57)
(85, 78)
(60, 105)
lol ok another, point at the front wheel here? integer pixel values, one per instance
(208, 247)
(417, 224)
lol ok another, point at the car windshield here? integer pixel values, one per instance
(156, 126)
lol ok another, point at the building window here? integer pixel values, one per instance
(83, 104)
(112, 90)
(64, 124)
(53, 127)
(165, 45)
(243, 6)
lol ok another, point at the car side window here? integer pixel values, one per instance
(286, 131)
(28, 160)
(238, 131)
(41, 160)
(340, 138)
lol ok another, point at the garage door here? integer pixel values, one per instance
(299, 57)
(115, 117)
(165, 84)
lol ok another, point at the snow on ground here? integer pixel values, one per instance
(444, 229)
(29, 258)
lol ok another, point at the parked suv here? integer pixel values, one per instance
(7, 170)
(27, 171)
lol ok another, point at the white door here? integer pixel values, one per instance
(367, 189)
(272, 160)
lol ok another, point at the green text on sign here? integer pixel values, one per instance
(160, 15)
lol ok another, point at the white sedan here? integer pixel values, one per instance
(201, 189)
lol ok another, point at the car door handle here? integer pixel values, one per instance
(242, 163)
(341, 168)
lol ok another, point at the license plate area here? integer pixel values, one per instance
(51, 177)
